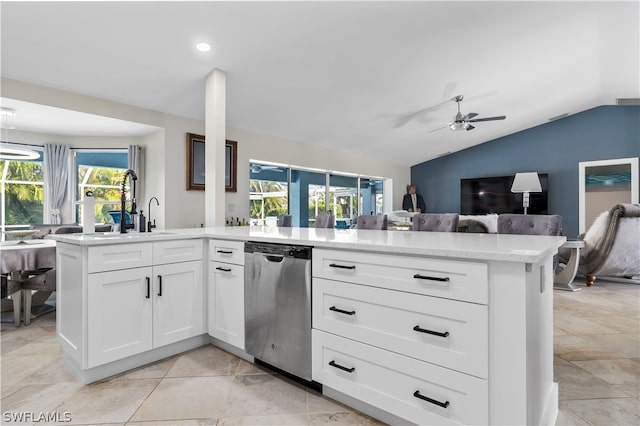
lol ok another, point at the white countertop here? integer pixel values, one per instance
(509, 248)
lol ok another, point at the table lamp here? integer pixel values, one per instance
(525, 183)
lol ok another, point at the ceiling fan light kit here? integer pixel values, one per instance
(463, 122)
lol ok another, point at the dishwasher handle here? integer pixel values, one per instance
(275, 258)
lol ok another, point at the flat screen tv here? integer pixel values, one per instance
(493, 195)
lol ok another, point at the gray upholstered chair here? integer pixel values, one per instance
(375, 221)
(436, 222)
(612, 244)
(325, 221)
(530, 224)
(284, 221)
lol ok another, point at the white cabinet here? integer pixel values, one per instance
(417, 391)
(226, 291)
(119, 314)
(409, 335)
(178, 302)
(133, 310)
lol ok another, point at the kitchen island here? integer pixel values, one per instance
(430, 328)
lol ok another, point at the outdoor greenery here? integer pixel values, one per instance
(24, 201)
(273, 206)
(105, 183)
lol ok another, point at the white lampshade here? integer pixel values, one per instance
(526, 182)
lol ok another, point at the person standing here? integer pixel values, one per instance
(413, 202)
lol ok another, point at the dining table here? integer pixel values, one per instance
(20, 263)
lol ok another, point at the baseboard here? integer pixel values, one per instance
(365, 408)
(231, 349)
(550, 411)
(107, 370)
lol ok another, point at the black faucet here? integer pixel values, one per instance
(149, 224)
(123, 220)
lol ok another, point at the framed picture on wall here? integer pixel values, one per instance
(196, 164)
(230, 163)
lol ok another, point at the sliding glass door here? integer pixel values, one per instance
(343, 199)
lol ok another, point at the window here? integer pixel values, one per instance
(22, 192)
(101, 172)
(304, 194)
(268, 193)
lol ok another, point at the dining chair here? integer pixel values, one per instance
(436, 222)
(284, 221)
(325, 221)
(375, 221)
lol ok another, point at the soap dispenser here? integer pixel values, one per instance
(142, 223)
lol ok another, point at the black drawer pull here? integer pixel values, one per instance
(348, 370)
(225, 252)
(159, 285)
(148, 287)
(426, 277)
(335, 265)
(334, 309)
(433, 401)
(435, 333)
(223, 269)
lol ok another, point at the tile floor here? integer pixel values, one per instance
(597, 366)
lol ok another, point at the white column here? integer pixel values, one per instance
(215, 134)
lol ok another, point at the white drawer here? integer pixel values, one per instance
(405, 323)
(177, 251)
(394, 383)
(227, 251)
(453, 279)
(118, 256)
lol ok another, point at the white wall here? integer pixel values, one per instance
(165, 175)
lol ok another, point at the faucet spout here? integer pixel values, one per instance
(123, 199)
(149, 224)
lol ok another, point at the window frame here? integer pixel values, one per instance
(73, 183)
(4, 181)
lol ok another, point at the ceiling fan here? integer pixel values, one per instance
(463, 122)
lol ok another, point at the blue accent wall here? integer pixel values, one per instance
(556, 148)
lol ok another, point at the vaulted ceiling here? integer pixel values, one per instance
(361, 76)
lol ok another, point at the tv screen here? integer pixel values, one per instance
(493, 195)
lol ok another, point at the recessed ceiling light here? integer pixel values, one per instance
(203, 47)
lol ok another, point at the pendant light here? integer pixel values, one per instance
(10, 151)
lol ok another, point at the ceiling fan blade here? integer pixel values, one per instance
(470, 115)
(500, 117)
(439, 128)
(401, 121)
(469, 127)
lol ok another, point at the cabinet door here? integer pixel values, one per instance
(226, 303)
(178, 302)
(119, 312)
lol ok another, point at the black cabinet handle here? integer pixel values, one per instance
(225, 252)
(426, 277)
(148, 287)
(433, 401)
(334, 309)
(435, 333)
(159, 285)
(335, 265)
(340, 367)
(223, 269)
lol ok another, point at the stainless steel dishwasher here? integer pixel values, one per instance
(277, 306)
